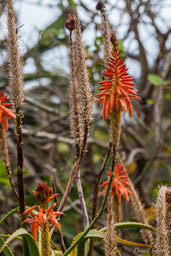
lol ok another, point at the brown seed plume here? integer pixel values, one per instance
(84, 90)
(162, 243)
(106, 33)
(75, 122)
(168, 204)
(16, 81)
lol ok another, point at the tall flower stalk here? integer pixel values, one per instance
(119, 187)
(117, 91)
(76, 125)
(16, 84)
(81, 107)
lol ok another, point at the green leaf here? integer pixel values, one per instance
(155, 79)
(133, 225)
(26, 251)
(8, 215)
(74, 251)
(33, 249)
(54, 245)
(3, 175)
(56, 254)
(117, 252)
(123, 241)
(83, 246)
(7, 236)
(7, 250)
(94, 233)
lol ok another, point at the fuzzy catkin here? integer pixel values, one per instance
(110, 242)
(168, 204)
(139, 213)
(162, 243)
(138, 208)
(16, 80)
(106, 37)
(75, 122)
(84, 90)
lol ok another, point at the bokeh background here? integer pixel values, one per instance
(143, 30)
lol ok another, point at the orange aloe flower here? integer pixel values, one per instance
(44, 194)
(117, 90)
(119, 184)
(5, 112)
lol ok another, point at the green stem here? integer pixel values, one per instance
(100, 211)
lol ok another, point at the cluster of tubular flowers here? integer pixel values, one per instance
(5, 113)
(70, 23)
(44, 194)
(117, 90)
(119, 186)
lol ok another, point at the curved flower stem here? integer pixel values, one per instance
(82, 200)
(100, 211)
(74, 172)
(81, 194)
(96, 190)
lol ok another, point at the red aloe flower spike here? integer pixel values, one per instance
(119, 184)
(118, 88)
(44, 194)
(5, 112)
